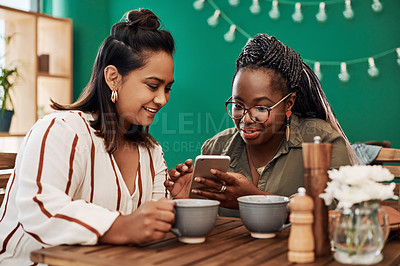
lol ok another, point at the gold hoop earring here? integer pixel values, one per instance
(114, 95)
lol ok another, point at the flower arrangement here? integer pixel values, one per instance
(358, 183)
(358, 234)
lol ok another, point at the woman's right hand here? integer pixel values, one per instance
(179, 180)
(150, 222)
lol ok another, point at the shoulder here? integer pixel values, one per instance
(64, 123)
(311, 127)
(220, 141)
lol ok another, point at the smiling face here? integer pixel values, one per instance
(261, 87)
(144, 91)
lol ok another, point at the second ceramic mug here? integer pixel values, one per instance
(264, 215)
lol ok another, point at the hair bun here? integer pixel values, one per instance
(143, 19)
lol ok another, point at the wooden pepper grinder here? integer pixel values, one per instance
(301, 238)
(317, 160)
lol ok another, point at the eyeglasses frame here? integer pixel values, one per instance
(247, 110)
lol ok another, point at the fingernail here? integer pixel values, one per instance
(171, 183)
(197, 179)
(195, 191)
(213, 171)
(177, 173)
(184, 168)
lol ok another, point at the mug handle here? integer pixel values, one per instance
(284, 226)
(176, 231)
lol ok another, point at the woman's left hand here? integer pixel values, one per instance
(236, 185)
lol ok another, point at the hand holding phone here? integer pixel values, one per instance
(202, 166)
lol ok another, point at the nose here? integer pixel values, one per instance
(246, 118)
(161, 98)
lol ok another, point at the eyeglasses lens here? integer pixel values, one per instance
(258, 113)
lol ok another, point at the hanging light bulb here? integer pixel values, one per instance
(373, 72)
(398, 56)
(377, 6)
(317, 70)
(255, 7)
(199, 4)
(274, 12)
(230, 35)
(234, 2)
(321, 15)
(343, 75)
(213, 20)
(297, 16)
(348, 11)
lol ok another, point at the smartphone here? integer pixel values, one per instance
(202, 166)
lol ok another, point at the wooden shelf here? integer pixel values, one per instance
(47, 75)
(35, 34)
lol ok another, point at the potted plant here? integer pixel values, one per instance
(8, 76)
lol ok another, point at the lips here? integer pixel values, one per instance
(151, 110)
(250, 133)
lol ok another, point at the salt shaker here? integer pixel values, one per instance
(301, 238)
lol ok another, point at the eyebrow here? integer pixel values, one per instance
(159, 80)
(256, 99)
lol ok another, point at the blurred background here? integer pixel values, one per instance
(367, 104)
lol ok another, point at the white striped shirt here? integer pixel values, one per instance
(66, 189)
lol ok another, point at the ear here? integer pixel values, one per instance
(290, 102)
(112, 77)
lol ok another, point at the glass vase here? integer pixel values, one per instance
(359, 233)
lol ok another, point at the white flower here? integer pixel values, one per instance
(358, 183)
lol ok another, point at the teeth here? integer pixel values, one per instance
(149, 109)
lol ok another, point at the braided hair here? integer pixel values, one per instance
(266, 52)
(130, 44)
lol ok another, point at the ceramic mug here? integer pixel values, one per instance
(194, 219)
(264, 215)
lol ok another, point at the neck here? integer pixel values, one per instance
(263, 153)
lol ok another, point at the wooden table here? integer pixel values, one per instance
(229, 243)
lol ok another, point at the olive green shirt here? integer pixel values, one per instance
(284, 174)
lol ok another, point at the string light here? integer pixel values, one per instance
(321, 15)
(348, 12)
(199, 4)
(234, 2)
(398, 56)
(377, 6)
(255, 7)
(274, 12)
(317, 70)
(213, 20)
(373, 72)
(230, 35)
(297, 16)
(344, 75)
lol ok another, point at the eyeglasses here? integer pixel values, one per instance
(257, 113)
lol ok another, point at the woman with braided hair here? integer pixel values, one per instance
(277, 104)
(91, 172)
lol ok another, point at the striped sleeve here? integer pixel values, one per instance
(53, 166)
(160, 173)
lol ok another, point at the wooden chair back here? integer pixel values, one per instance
(7, 162)
(390, 159)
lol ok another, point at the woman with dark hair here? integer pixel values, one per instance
(91, 172)
(277, 104)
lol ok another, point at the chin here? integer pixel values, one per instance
(145, 123)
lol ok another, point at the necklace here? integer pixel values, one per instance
(252, 160)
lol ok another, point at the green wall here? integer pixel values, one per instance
(367, 108)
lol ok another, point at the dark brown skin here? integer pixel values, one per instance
(250, 87)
